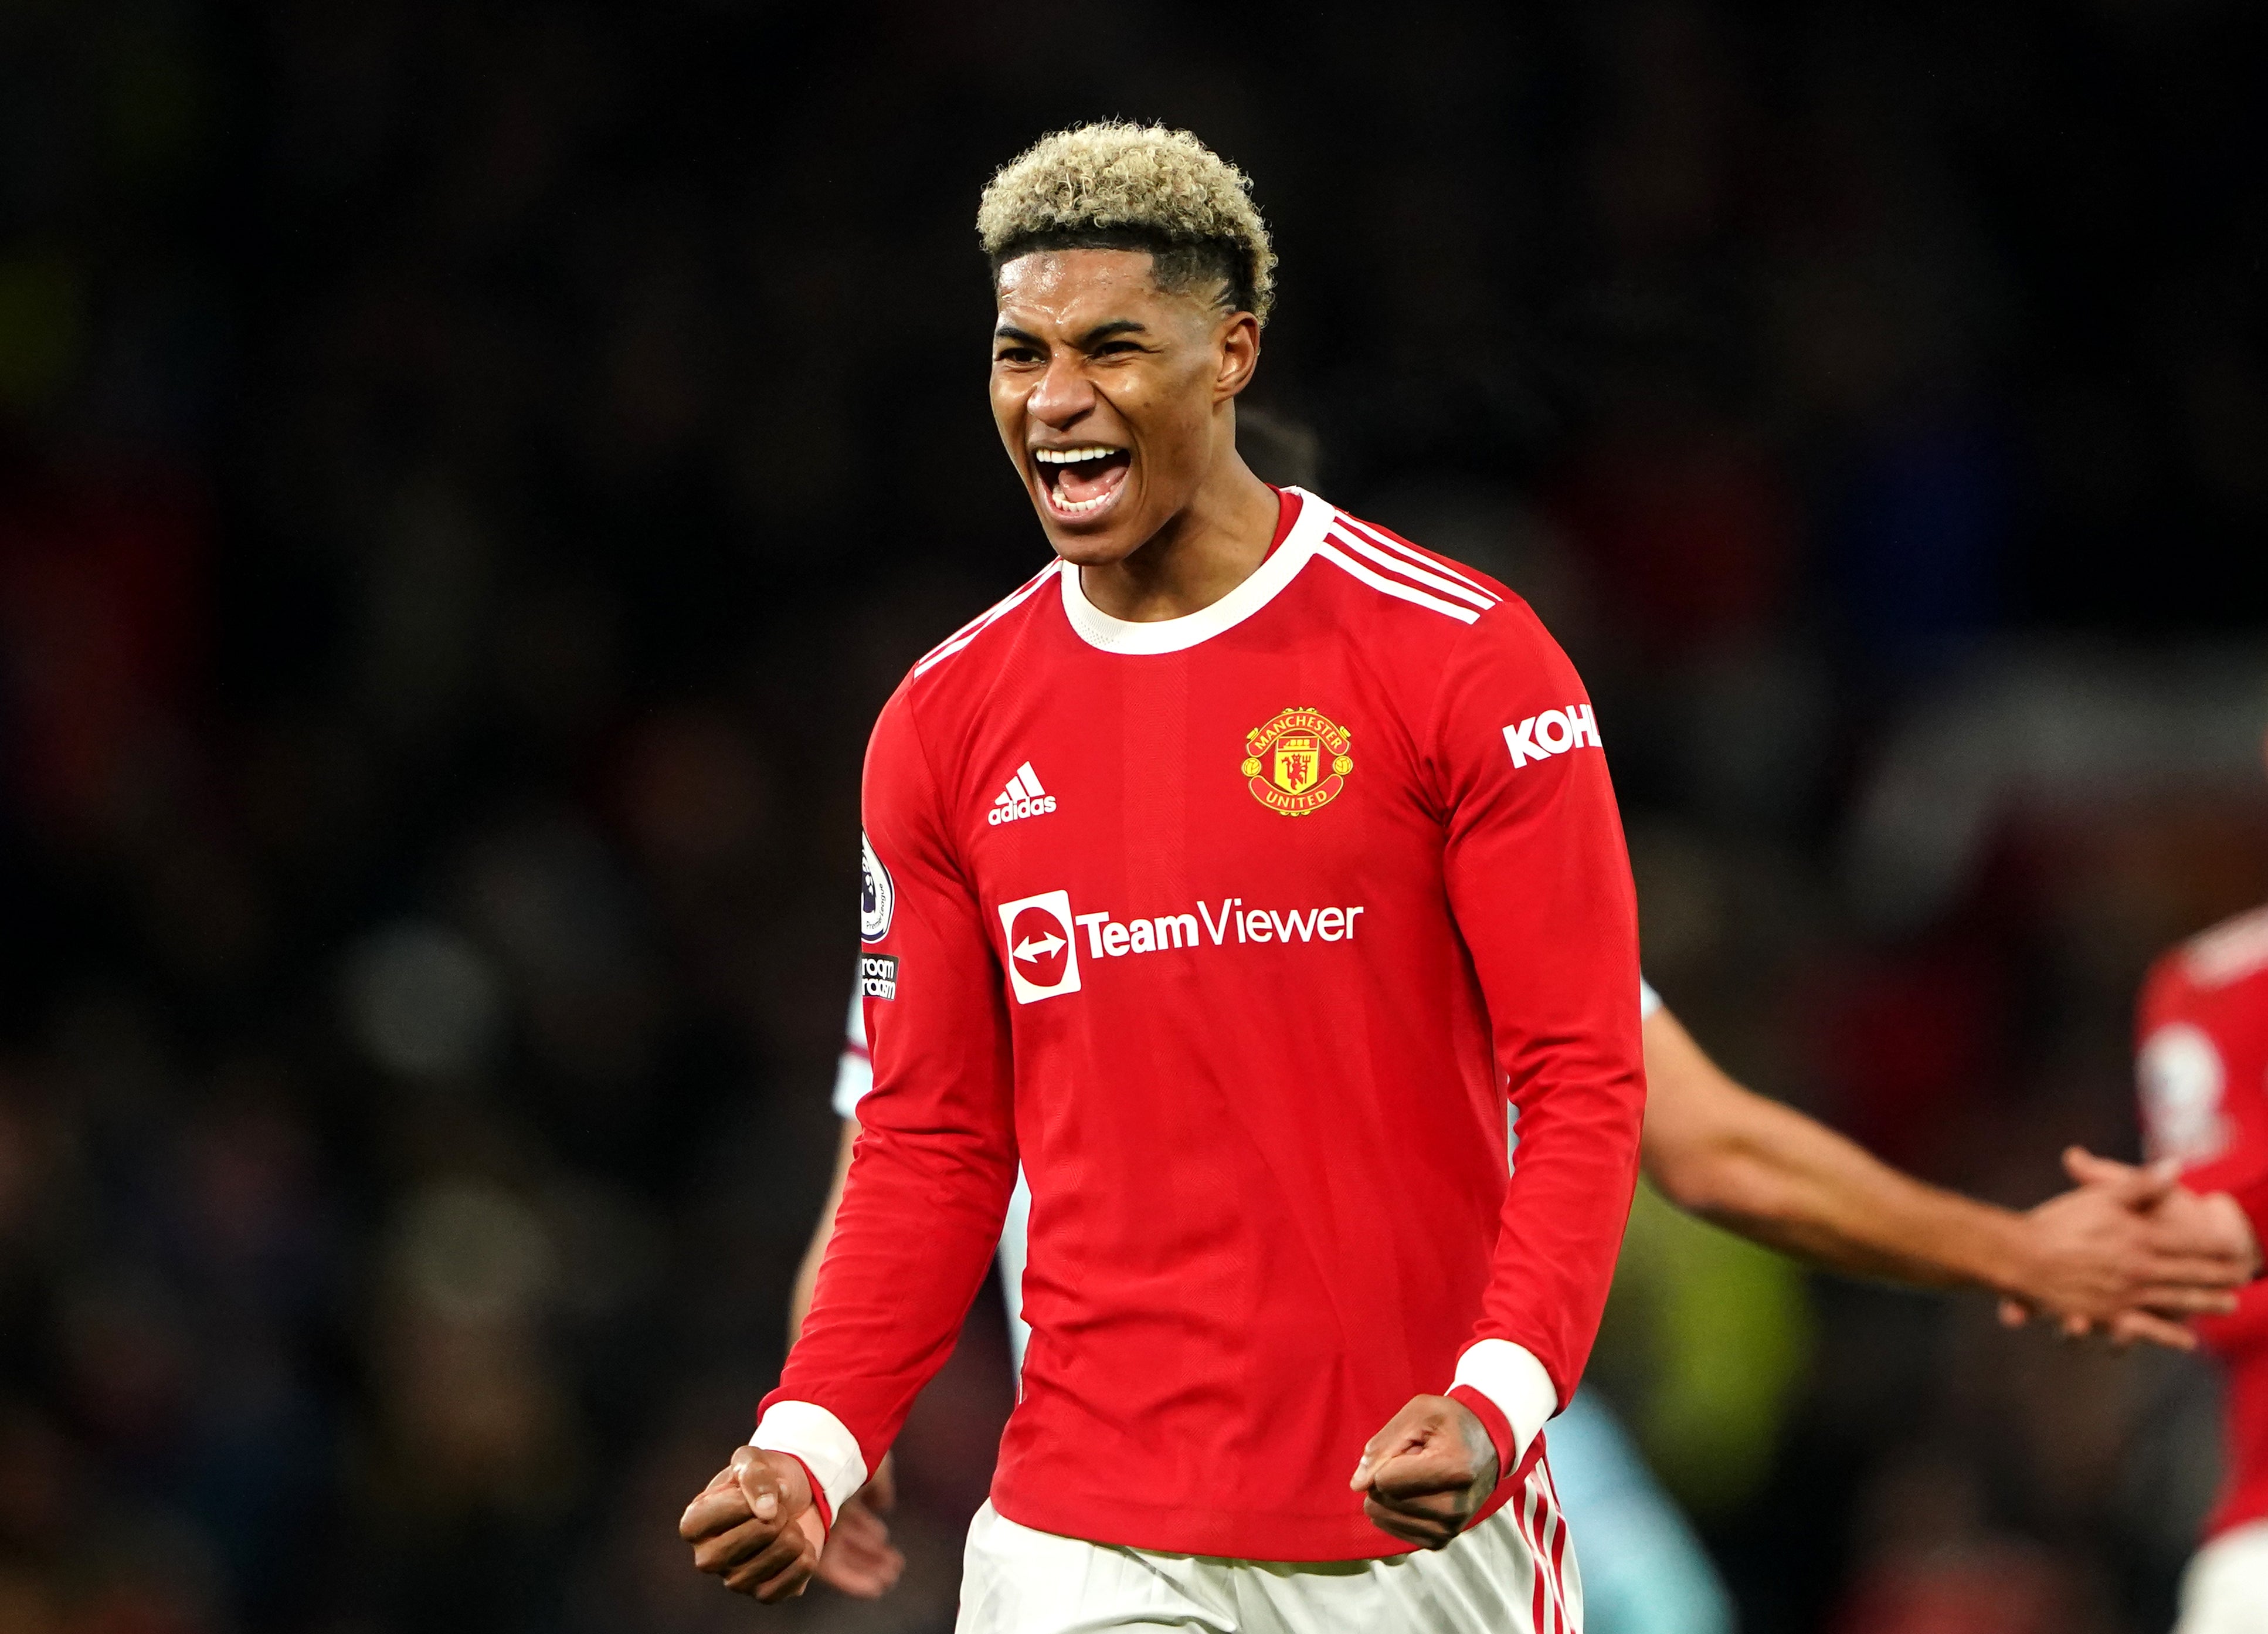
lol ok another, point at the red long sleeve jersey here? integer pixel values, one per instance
(2202, 1071)
(1237, 927)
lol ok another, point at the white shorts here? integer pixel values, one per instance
(1015, 1580)
(2225, 1590)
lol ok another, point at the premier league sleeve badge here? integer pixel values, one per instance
(878, 898)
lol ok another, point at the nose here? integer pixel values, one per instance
(1064, 394)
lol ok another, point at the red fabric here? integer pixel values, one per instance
(1269, 1179)
(1493, 1421)
(1287, 511)
(2213, 984)
(818, 1495)
(2252, 1197)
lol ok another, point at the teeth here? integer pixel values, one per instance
(1072, 456)
(1074, 506)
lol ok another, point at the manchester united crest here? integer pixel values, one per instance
(1296, 762)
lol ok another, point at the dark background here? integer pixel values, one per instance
(470, 473)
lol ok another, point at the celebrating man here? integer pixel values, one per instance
(1237, 875)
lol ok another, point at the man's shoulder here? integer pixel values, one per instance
(1394, 584)
(1409, 556)
(2216, 974)
(2233, 953)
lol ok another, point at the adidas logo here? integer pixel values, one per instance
(1022, 798)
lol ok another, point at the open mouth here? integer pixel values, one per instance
(1081, 482)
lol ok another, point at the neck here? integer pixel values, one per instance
(1210, 547)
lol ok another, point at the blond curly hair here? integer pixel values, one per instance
(1119, 186)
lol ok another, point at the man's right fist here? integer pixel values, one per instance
(755, 1525)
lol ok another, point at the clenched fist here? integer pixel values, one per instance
(756, 1527)
(1426, 1474)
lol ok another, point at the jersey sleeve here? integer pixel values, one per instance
(1539, 882)
(935, 1161)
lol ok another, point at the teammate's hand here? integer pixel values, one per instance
(881, 1488)
(859, 1559)
(2130, 1252)
(1426, 1474)
(2209, 1227)
(755, 1525)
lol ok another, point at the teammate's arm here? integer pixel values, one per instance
(2106, 1253)
(807, 1274)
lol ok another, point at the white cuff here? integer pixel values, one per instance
(826, 1447)
(1510, 1376)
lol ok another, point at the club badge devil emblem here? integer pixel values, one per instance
(1296, 762)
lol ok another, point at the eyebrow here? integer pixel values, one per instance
(1100, 332)
(1116, 326)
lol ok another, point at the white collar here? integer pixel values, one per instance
(1098, 628)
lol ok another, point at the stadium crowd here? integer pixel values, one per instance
(469, 474)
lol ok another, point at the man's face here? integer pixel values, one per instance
(1092, 360)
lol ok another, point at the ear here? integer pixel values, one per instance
(1238, 341)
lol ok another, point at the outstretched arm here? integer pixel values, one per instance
(2104, 1254)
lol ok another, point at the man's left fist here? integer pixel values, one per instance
(1425, 1476)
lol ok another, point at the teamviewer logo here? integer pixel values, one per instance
(1041, 960)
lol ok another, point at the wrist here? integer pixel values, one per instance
(821, 1444)
(2004, 1255)
(1507, 1389)
(1488, 1425)
(819, 1504)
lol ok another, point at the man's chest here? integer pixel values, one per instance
(2236, 1022)
(1158, 810)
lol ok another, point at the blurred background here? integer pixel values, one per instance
(469, 474)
